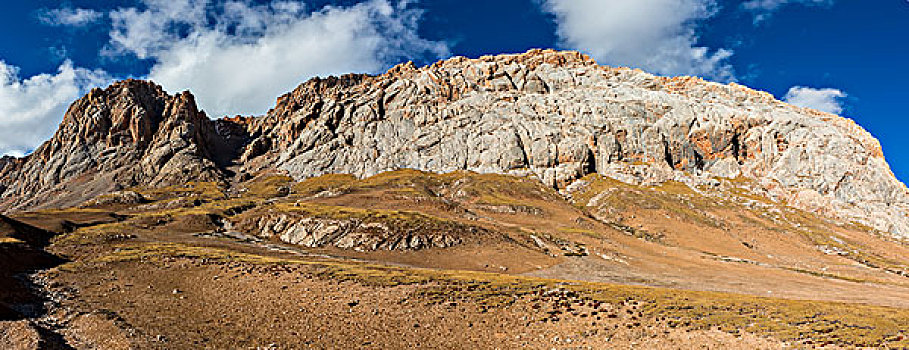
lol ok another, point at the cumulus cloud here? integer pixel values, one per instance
(659, 36)
(826, 100)
(31, 108)
(763, 9)
(237, 57)
(69, 17)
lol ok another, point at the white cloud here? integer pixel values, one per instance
(69, 17)
(31, 109)
(659, 36)
(237, 57)
(144, 32)
(826, 100)
(763, 9)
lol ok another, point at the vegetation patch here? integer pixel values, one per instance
(228, 207)
(97, 234)
(483, 189)
(674, 198)
(202, 190)
(268, 186)
(816, 230)
(502, 190)
(319, 184)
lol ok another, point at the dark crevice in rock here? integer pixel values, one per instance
(667, 153)
(590, 165)
(233, 138)
(525, 160)
(737, 149)
(619, 152)
(698, 160)
(380, 106)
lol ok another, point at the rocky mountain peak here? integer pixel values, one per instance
(126, 112)
(553, 115)
(130, 133)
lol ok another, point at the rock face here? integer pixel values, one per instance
(132, 133)
(553, 115)
(559, 116)
(6, 161)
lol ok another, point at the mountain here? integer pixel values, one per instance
(534, 200)
(131, 133)
(555, 115)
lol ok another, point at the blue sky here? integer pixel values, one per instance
(843, 56)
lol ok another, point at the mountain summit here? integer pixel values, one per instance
(557, 116)
(131, 133)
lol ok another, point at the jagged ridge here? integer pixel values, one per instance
(131, 133)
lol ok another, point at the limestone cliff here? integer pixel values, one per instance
(559, 115)
(553, 115)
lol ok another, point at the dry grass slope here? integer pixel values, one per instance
(671, 234)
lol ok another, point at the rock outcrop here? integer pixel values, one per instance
(554, 115)
(363, 231)
(131, 133)
(115, 198)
